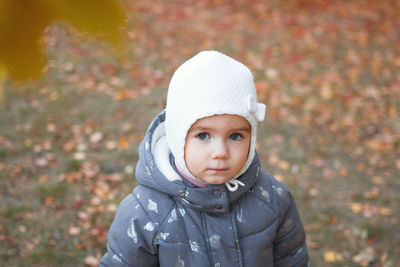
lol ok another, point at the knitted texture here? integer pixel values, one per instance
(210, 83)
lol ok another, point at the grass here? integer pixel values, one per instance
(73, 165)
(12, 211)
(51, 190)
(46, 255)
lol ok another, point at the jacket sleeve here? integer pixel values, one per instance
(290, 247)
(128, 244)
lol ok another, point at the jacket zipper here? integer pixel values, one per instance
(237, 243)
(204, 222)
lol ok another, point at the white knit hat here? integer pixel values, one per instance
(208, 84)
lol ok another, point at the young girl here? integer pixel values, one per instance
(202, 198)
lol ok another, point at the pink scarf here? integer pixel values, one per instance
(196, 182)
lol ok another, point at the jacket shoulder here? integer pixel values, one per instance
(273, 192)
(154, 204)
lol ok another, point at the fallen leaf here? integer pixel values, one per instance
(94, 201)
(365, 257)
(96, 137)
(51, 127)
(43, 179)
(332, 256)
(378, 180)
(78, 204)
(22, 228)
(128, 169)
(102, 190)
(284, 165)
(398, 164)
(372, 194)
(356, 207)
(271, 73)
(326, 91)
(121, 95)
(112, 208)
(79, 246)
(278, 177)
(48, 201)
(74, 230)
(313, 192)
(123, 143)
(92, 261)
(41, 162)
(385, 211)
(29, 245)
(111, 145)
(79, 155)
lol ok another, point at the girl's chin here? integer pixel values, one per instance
(216, 180)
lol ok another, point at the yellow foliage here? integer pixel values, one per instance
(2, 79)
(22, 23)
(332, 256)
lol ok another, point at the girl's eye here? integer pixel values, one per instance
(203, 136)
(235, 137)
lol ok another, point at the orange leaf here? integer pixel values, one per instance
(121, 95)
(378, 180)
(43, 179)
(48, 201)
(123, 143)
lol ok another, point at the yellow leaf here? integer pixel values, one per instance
(101, 18)
(385, 211)
(3, 75)
(332, 256)
(21, 28)
(356, 207)
(22, 24)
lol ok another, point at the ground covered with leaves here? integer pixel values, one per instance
(329, 72)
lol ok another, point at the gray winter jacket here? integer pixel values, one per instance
(167, 222)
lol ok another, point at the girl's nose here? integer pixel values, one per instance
(220, 149)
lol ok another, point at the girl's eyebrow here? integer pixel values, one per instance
(207, 129)
(242, 129)
(200, 128)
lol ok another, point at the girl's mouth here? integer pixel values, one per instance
(218, 170)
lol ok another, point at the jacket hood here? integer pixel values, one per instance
(155, 171)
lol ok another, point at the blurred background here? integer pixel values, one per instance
(74, 109)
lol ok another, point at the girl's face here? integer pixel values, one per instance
(217, 147)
